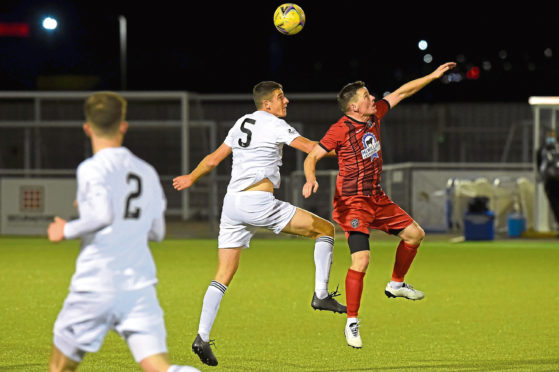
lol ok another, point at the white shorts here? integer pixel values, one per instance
(86, 318)
(246, 211)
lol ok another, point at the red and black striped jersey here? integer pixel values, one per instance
(357, 146)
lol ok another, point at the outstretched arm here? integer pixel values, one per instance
(311, 186)
(205, 166)
(414, 86)
(306, 145)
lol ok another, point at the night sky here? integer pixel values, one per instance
(227, 47)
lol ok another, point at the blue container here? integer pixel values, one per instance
(479, 225)
(516, 224)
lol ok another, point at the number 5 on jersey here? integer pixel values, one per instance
(247, 131)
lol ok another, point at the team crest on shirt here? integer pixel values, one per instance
(354, 223)
(371, 146)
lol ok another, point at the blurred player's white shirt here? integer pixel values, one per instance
(257, 141)
(121, 203)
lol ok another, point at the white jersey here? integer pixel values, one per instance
(121, 203)
(257, 141)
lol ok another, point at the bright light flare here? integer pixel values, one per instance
(50, 23)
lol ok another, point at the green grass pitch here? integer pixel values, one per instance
(489, 306)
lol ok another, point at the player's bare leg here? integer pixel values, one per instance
(61, 363)
(160, 363)
(228, 263)
(305, 223)
(411, 237)
(360, 261)
(155, 363)
(413, 234)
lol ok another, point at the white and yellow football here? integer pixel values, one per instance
(289, 19)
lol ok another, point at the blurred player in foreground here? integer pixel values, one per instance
(359, 202)
(121, 205)
(256, 141)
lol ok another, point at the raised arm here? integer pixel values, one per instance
(205, 166)
(306, 145)
(311, 185)
(414, 86)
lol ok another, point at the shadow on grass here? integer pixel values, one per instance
(23, 367)
(479, 365)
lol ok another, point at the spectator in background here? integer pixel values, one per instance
(548, 170)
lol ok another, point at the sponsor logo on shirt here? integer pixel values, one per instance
(371, 146)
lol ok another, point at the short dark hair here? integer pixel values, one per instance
(263, 91)
(105, 111)
(347, 93)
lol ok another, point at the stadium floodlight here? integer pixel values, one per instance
(422, 45)
(543, 101)
(50, 23)
(122, 28)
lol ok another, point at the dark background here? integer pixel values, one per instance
(227, 47)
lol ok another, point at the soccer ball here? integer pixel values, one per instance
(289, 19)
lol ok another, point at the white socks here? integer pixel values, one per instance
(396, 285)
(351, 321)
(212, 299)
(323, 251)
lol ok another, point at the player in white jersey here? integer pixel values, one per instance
(121, 205)
(256, 141)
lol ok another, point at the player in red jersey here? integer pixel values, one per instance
(359, 202)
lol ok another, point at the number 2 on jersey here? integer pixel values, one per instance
(135, 213)
(247, 131)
